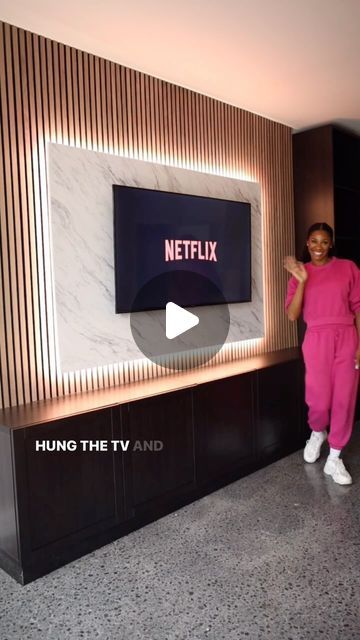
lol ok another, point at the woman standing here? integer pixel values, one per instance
(327, 290)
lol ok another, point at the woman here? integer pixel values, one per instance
(327, 290)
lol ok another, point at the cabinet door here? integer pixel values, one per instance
(160, 459)
(65, 496)
(8, 529)
(280, 410)
(223, 418)
(346, 150)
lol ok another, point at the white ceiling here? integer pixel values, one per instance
(294, 62)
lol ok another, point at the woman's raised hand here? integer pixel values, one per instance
(296, 268)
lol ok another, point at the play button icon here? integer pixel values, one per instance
(178, 320)
(180, 334)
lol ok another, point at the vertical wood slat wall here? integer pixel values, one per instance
(52, 92)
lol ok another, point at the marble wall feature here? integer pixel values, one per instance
(89, 332)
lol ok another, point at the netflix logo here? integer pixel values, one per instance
(190, 250)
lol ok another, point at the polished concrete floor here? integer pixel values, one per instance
(275, 555)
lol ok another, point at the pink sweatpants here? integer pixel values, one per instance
(331, 380)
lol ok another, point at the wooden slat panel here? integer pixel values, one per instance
(138, 109)
(6, 394)
(141, 114)
(11, 228)
(41, 210)
(76, 86)
(87, 142)
(103, 107)
(114, 109)
(92, 99)
(28, 214)
(52, 92)
(166, 131)
(63, 93)
(69, 96)
(23, 254)
(99, 140)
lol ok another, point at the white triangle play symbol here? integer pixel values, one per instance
(178, 320)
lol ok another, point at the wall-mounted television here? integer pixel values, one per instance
(159, 232)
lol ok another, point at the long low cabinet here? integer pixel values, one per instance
(61, 496)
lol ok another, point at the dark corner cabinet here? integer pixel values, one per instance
(327, 189)
(327, 186)
(56, 506)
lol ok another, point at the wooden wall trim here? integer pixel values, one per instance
(52, 92)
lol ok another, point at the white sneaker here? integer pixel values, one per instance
(336, 469)
(313, 446)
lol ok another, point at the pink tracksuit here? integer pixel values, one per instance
(331, 300)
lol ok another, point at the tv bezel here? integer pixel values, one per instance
(175, 193)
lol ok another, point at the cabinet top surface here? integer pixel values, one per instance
(70, 405)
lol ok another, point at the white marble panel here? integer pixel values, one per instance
(89, 332)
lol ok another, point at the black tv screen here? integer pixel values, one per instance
(159, 232)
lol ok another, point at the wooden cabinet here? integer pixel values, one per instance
(64, 497)
(9, 548)
(327, 186)
(67, 491)
(224, 418)
(57, 505)
(160, 461)
(327, 189)
(346, 159)
(280, 410)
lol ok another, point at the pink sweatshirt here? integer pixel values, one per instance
(332, 293)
